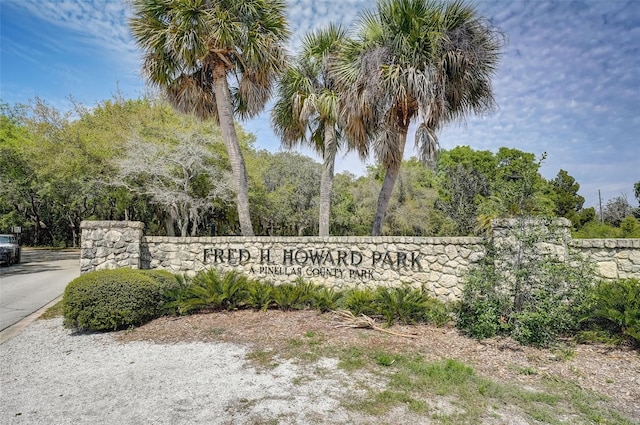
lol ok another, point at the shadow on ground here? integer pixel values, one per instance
(40, 260)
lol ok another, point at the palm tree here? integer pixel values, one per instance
(214, 58)
(413, 59)
(307, 104)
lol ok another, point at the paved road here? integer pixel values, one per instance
(32, 284)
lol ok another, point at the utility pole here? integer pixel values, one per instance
(600, 200)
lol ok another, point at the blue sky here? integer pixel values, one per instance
(568, 85)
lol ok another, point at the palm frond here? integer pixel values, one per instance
(183, 41)
(349, 320)
(427, 143)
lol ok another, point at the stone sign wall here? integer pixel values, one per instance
(437, 264)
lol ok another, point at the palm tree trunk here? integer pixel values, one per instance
(225, 114)
(390, 178)
(326, 181)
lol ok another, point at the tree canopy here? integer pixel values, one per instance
(214, 59)
(414, 60)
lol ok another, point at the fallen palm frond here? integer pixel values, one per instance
(348, 320)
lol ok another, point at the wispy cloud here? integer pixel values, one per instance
(568, 83)
(100, 25)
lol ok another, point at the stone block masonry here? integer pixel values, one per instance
(613, 258)
(436, 264)
(110, 245)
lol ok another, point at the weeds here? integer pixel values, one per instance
(453, 393)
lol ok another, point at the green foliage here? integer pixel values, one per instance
(477, 186)
(460, 188)
(482, 311)
(522, 292)
(293, 296)
(630, 227)
(175, 297)
(165, 278)
(284, 193)
(614, 309)
(516, 189)
(54, 169)
(260, 295)
(565, 193)
(465, 177)
(353, 204)
(597, 230)
(209, 290)
(403, 303)
(411, 210)
(437, 312)
(360, 301)
(325, 299)
(114, 299)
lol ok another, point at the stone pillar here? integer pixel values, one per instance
(520, 239)
(110, 245)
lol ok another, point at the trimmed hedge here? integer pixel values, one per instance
(115, 299)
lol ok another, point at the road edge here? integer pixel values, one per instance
(16, 328)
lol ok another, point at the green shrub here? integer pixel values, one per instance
(614, 309)
(288, 296)
(209, 290)
(325, 299)
(404, 303)
(629, 227)
(597, 230)
(260, 295)
(165, 278)
(480, 312)
(114, 299)
(520, 291)
(359, 301)
(436, 312)
(176, 296)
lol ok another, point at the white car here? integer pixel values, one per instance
(9, 250)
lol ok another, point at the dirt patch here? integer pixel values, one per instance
(610, 371)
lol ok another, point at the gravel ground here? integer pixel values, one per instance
(51, 376)
(197, 370)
